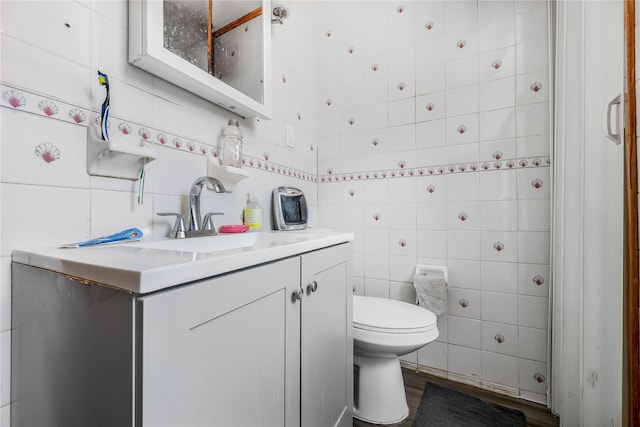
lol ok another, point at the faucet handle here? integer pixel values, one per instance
(178, 231)
(207, 222)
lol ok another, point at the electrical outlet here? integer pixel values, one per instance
(289, 139)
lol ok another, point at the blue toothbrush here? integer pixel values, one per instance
(104, 112)
(127, 235)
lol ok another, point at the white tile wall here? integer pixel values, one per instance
(462, 129)
(434, 355)
(534, 215)
(402, 292)
(500, 307)
(463, 244)
(462, 187)
(533, 311)
(69, 208)
(402, 268)
(467, 94)
(497, 94)
(464, 303)
(464, 273)
(500, 369)
(431, 244)
(402, 242)
(403, 216)
(376, 288)
(463, 216)
(376, 266)
(532, 376)
(532, 344)
(463, 153)
(465, 332)
(462, 72)
(498, 185)
(500, 338)
(465, 361)
(497, 34)
(533, 279)
(499, 277)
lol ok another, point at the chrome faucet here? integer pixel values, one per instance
(196, 225)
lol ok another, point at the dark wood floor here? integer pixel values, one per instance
(537, 415)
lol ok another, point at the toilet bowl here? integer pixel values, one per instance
(384, 330)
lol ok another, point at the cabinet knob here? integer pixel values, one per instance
(312, 287)
(297, 294)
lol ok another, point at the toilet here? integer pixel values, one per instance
(384, 330)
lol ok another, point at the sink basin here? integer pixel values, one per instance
(221, 242)
(151, 264)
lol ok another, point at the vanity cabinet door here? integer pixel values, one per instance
(215, 352)
(327, 338)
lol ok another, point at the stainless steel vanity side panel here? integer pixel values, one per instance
(71, 351)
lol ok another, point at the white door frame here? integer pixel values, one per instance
(586, 299)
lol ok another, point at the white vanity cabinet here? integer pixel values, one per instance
(327, 338)
(214, 352)
(253, 347)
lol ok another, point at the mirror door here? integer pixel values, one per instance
(217, 49)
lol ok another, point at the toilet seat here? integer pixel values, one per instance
(390, 316)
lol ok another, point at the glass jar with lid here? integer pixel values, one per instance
(231, 145)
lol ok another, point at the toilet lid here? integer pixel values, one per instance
(387, 315)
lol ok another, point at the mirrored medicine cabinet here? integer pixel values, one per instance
(218, 49)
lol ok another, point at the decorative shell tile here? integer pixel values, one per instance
(125, 128)
(14, 98)
(401, 170)
(144, 133)
(77, 115)
(18, 99)
(49, 108)
(47, 152)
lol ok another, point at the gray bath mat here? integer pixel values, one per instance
(441, 407)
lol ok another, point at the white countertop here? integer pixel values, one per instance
(139, 268)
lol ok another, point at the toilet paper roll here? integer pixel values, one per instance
(431, 292)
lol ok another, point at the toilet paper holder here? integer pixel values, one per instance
(432, 270)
